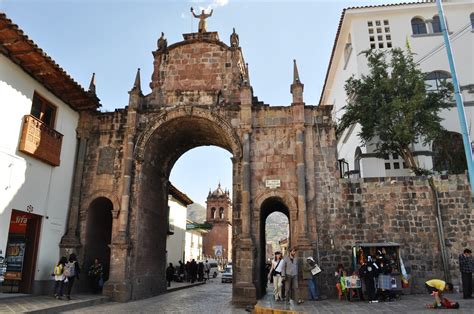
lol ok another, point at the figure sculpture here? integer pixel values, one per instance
(202, 27)
(234, 39)
(162, 42)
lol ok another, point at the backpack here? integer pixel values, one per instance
(70, 269)
(58, 270)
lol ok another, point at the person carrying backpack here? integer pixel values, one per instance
(71, 272)
(59, 277)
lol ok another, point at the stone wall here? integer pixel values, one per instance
(401, 210)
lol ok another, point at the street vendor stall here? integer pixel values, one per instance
(385, 256)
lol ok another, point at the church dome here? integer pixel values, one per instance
(218, 191)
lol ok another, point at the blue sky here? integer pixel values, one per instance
(113, 38)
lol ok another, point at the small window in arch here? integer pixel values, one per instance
(221, 213)
(389, 44)
(385, 22)
(213, 212)
(377, 23)
(372, 46)
(370, 24)
(388, 37)
(371, 30)
(380, 45)
(379, 37)
(418, 26)
(372, 38)
(387, 29)
(379, 30)
(436, 23)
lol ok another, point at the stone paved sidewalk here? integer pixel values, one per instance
(48, 304)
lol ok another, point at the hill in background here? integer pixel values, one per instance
(196, 213)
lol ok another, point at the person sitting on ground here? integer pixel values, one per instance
(340, 273)
(436, 287)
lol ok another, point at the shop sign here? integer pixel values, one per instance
(18, 222)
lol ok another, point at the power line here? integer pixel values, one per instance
(438, 48)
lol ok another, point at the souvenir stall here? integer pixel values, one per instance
(390, 275)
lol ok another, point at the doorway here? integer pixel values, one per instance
(99, 234)
(274, 228)
(22, 251)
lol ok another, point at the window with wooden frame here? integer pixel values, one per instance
(43, 110)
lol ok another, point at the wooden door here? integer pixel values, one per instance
(32, 235)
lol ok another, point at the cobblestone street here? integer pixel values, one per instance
(215, 297)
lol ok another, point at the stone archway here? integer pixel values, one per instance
(269, 206)
(99, 233)
(159, 146)
(201, 95)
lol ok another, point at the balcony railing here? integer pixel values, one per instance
(40, 141)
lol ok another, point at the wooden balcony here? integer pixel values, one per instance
(40, 141)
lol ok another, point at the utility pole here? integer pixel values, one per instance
(458, 97)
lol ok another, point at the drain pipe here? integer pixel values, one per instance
(441, 238)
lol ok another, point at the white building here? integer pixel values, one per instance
(176, 240)
(194, 236)
(42, 105)
(387, 26)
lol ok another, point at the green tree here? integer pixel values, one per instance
(393, 107)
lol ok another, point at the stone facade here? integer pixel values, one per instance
(284, 159)
(401, 210)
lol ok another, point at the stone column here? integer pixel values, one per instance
(70, 242)
(245, 211)
(301, 176)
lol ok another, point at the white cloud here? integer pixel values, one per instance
(212, 5)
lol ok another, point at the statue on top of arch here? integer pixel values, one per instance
(202, 27)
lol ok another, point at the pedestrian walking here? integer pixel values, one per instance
(275, 274)
(201, 271)
(290, 276)
(169, 274)
(466, 266)
(71, 272)
(59, 277)
(207, 269)
(96, 275)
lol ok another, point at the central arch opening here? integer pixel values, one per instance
(150, 215)
(274, 236)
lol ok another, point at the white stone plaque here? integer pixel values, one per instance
(272, 184)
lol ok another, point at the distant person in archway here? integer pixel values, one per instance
(96, 275)
(169, 274)
(207, 269)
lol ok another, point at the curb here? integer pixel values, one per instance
(71, 306)
(184, 287)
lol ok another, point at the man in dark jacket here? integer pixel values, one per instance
(169, 274)
(466, 266)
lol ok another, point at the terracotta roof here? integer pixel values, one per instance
(341, 20)
(180, 196)
(16, 46)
